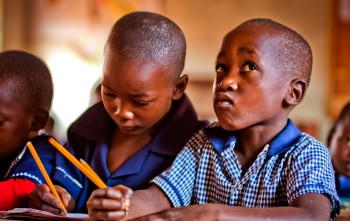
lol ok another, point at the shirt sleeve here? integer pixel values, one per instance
(67, 175)
(27, 168)
(178, 181)
(15, 192)
(312, 172)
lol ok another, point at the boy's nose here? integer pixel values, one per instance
(228, 85)
(122, 112)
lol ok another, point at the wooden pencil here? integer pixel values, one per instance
(93, 177)
(44, 173)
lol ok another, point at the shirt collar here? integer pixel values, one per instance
(181, 124)
(222, 139)
(170, 138)
(285, 139)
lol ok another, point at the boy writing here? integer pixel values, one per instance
(26, 92)
(254, 164)
(144, 118)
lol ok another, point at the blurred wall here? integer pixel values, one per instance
(204, 23)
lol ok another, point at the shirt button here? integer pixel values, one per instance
(240, 187)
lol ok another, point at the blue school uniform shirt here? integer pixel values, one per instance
(24, 165)
(88, 138)
(343, 185)
(208, 171)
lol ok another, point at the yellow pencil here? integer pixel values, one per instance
(43, 171)
(97, 181)
(87, 166)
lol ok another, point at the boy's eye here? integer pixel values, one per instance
(249, 67)
(220, 68)
(108, 94)
(346, 140)
(141, 103)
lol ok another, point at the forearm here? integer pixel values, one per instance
(151, 200)
(307, 207)
(229, 213)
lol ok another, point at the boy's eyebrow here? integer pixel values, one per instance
(139, 95)
(104, 85)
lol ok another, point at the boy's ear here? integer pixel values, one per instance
(296, 92)
(39, 120)
(180, 86)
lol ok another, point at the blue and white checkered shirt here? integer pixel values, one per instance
(208, 171)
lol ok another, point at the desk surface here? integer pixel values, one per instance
(344, 215)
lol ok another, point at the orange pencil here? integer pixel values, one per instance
(96, 180)
(87, 166)
(125, 202)
(43, 171)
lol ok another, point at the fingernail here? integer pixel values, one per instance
(126, 203)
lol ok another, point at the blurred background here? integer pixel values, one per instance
(70, 35)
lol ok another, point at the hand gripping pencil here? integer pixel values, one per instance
(45, 175)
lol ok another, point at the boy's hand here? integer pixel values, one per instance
(109, 203)
(41, 198)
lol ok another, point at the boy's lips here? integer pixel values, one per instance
(223, 99)
(127, 127)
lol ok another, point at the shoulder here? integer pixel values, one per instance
(42, 144)
(24, 165)
(310, 145)
(309, 154)
(201, 138)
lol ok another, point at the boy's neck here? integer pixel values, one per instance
(252, 140)
(122, 147)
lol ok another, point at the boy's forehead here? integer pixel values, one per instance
(252, 36)
(117, 69)
(254, 30)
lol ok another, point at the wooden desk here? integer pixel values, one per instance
(344, 215)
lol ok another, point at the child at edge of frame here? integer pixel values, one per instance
(338, 143)
(26, 92)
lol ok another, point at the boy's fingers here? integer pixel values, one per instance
(126, 192)
(109, 192)
(50, 199)
(64, 195)
(44, 200)
(41, 189)
(108, 203)
(36, 196)
(104, 204)
(51, 209)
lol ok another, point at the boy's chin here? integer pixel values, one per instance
(227, 126)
